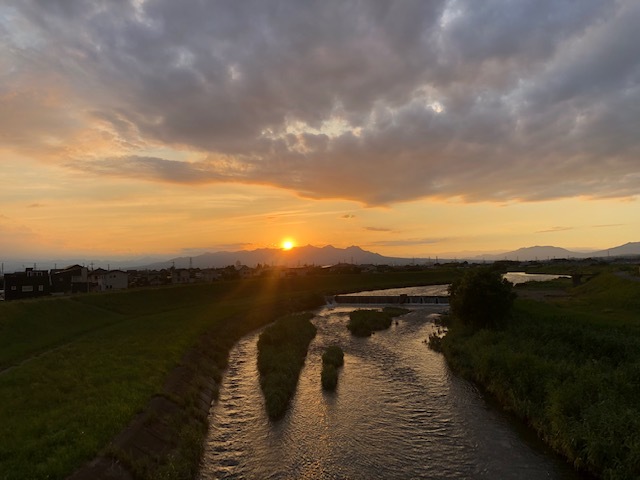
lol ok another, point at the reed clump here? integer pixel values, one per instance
(282, 349)
(362, 323)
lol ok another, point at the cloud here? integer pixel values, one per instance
(408, 242)
(556, 229)
(227, 247)
(609, 225)
(376, 102)
(563, 229)
(377, 229)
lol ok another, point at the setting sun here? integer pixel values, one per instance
(287, 244)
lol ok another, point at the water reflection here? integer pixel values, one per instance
(397, 413)
(522, 277)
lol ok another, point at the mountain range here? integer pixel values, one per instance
(307, 255)
(329, 255)
(549, 252)
(310, 255)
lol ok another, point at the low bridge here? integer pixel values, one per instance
(389, 299)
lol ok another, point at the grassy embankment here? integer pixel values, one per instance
(282, 349)
(362, 323)
(570, 367)
(332, 359)
(74, 371)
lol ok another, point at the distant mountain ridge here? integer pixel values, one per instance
(310, 255)
(329, 255)
(297, 256)
(549, 252)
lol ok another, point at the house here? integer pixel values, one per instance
(244, 271)
(72, 279)
(102, 280)
(296, 272)
(180, 276)
(209, 275)
(28, 284)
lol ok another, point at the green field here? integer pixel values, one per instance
(569, 365)
(74, 371)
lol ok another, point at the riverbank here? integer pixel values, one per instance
(74, 372)
(568, 364)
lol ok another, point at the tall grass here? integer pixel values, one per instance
(282, 349)
(570, 369)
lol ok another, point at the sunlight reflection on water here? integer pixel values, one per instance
(397, 413)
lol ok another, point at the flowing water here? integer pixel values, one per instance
(398, 413)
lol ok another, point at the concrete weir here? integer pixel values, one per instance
(389, 299)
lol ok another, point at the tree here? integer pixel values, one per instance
(482, 298)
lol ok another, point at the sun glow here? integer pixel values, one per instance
(287, 244)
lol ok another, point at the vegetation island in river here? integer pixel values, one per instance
(362, 323)
(282, 349)
(332, 359)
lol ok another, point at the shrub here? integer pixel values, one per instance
(333, 355)
(481, 299)
(329, 377)
(332, 359)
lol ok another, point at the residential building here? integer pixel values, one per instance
(72, 279)
(102, 280)
(28, 284)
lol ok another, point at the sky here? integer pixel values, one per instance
(411, 128)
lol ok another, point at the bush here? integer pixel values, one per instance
(329, 377)
(332, 359)
(333, 355)
(481, 299)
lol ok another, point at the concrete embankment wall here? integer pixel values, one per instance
(392, 300)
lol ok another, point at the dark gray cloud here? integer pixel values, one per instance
(378, 102)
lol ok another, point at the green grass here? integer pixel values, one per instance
(29, 328)
(571, 369)
(83, 366)
(61, 408)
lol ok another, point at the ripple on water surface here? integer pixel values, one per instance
(397, 413)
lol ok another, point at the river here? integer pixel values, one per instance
(398, 413)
